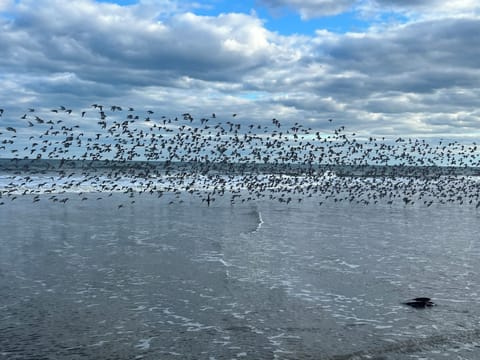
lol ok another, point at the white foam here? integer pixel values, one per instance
(144, 344)
(260, 222)
(224, 263)
(351, 266)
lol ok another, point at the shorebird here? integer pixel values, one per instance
(420, 303)
(196, 153)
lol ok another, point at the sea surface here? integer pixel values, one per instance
(111, 275)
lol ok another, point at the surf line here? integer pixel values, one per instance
(260, 222)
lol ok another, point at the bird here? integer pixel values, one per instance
(420, 302)
(249, 161)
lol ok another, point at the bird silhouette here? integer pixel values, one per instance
(134, 152)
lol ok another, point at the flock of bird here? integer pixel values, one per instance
(116, 149)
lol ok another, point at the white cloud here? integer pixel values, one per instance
(6, 5)
(95, 38)
(422, 9)
(419, 76)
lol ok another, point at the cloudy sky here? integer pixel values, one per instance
(381, 67)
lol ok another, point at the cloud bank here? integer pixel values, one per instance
(418, 77)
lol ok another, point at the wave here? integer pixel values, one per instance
(260, 222)
(256, 216)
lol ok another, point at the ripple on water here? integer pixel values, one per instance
(181, 282)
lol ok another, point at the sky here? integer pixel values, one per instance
(378, 67)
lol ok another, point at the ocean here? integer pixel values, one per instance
(90, 269)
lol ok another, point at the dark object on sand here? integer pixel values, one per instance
(420, 302)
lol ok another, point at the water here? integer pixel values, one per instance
(260, 279)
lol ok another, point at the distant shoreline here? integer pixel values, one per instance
(236, 168)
